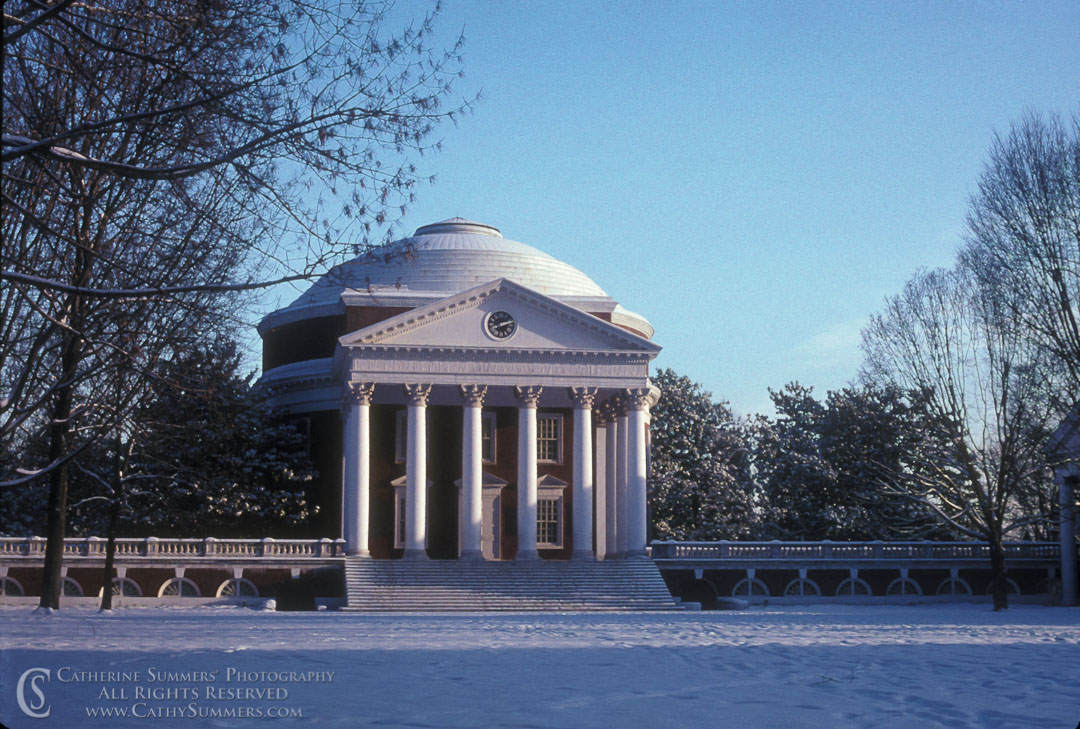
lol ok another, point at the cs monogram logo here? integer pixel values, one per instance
(35, 706)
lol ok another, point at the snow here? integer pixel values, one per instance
(837, 666)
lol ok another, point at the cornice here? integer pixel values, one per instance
(565, 313)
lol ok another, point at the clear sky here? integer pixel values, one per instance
(755, 177)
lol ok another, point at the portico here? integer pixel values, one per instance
(543, 379)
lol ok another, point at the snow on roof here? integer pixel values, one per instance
(446, 258)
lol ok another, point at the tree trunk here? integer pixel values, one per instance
(110, 554)
(59, 433)
(998, 586)
(71, 354)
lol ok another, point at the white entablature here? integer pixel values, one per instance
(451, 341)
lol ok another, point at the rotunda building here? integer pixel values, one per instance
(467, 395)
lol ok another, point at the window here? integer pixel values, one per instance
(303, 427)
(549, 511)
(549, 522)
(179, 587)
(125, 586)
(487, 437)
(401, 435)
(11, 586)
(238, 587)
(549, 438)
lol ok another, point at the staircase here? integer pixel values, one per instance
(476, 586)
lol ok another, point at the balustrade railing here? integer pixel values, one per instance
(179, 549)
(851, 551)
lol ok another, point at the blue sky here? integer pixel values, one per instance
(755, 178)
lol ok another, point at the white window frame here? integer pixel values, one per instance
(557, 506)
(552, 490)
(487, 420)
(120, 583)
(557, 419)
(181, 583)
(240, 583)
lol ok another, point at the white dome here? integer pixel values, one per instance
(449, 257)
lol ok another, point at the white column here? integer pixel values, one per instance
(583, 472)
(356, 452)
(1067, 535)
(416, 473)
(472, 458)
(600, 484)
(622, 496)
(636, 473)
(611, 477)
(528, 399)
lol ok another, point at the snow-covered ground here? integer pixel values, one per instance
(826, 666)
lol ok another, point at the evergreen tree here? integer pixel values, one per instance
(699, 483)
(820, 465)
(203, 456)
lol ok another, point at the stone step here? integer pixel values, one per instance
(453, 585)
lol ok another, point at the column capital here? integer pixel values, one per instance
(599, 416)
(528, 395)
(417, 394)
(583, 397)
(638, 398)
(473, 395)
(359, 393)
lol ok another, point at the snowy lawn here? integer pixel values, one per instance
(825, 667)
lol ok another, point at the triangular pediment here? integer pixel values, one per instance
(488, 480)
(499, 315)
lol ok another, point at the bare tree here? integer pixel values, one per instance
(947, 336)
(1023, 237)
(159, 157)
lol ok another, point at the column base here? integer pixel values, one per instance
(527, 556)
(583, 556)
(637, 554)
(474, 555)
(358, 553)
(415, 555)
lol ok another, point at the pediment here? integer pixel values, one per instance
(461, 321)
(548, 486)
(403, 481)
(488, 480)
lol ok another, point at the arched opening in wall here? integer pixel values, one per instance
(179, 587)
(802, 586)
(237, 587)
(904, 586)
(11, 587)
(1011, 588)
(1049, 586)
(954, 586)
(750, 587)
(125, 587)
(701, 591)
(72, 588)
(852, 587)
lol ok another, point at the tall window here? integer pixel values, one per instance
(548, 522)
(487, 437)
(549, 438)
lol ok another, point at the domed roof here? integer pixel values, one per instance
(446, 258)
